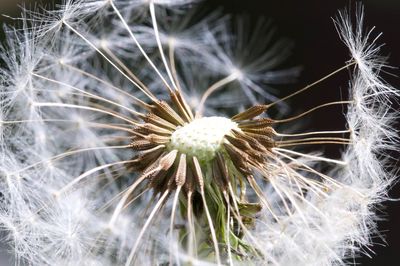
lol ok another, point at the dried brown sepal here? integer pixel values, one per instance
(163, 110)
(239, 143)
(242, 145)
(266, 141)
(142, 144)
(250, 113)
(267, 131)
(190, 183)
(150, 128)
(152, 171)
(158, 121)
(180, 177)
(154, 167)
(180, 106)
(142, 161)
(142, 104)
(257, 123)
(196, 168)
(239, 158)
(154, 138)
(168, 160)
(185, 105)
(161, 181)
(252, 141)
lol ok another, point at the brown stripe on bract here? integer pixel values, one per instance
(158, 121)
(162, 180)
(239, 158)
(181, 106)
(198, 173)
(239, 143)
(142, 144)
(190, 183)
(151, 128)
(266, 141)
(180, 176)
(266, 131)
(163, 110)
(256, 123)
(253, 142)
(143, 160)
(185, 105)
(155, 138)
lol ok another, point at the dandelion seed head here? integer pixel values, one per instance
(134, 140)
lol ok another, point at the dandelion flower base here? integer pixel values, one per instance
(202, 137)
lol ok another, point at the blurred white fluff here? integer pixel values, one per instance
(341, 225)
(47, 227)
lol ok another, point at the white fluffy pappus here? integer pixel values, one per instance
(76, 85)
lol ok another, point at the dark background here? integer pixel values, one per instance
(319, 51)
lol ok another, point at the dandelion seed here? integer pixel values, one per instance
(110, 158)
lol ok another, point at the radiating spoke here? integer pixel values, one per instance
(138, 44)
(217, 85)
(65, 105)
(87, 93)
(318, 158)
(69, 153)
(108, 84)
(312, 110)
(314, 83)
(86, 174)
(144, 228)
(160, 48)
(106, 58)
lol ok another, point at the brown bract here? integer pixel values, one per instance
(245, 148)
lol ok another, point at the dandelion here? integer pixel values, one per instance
(132, 134)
